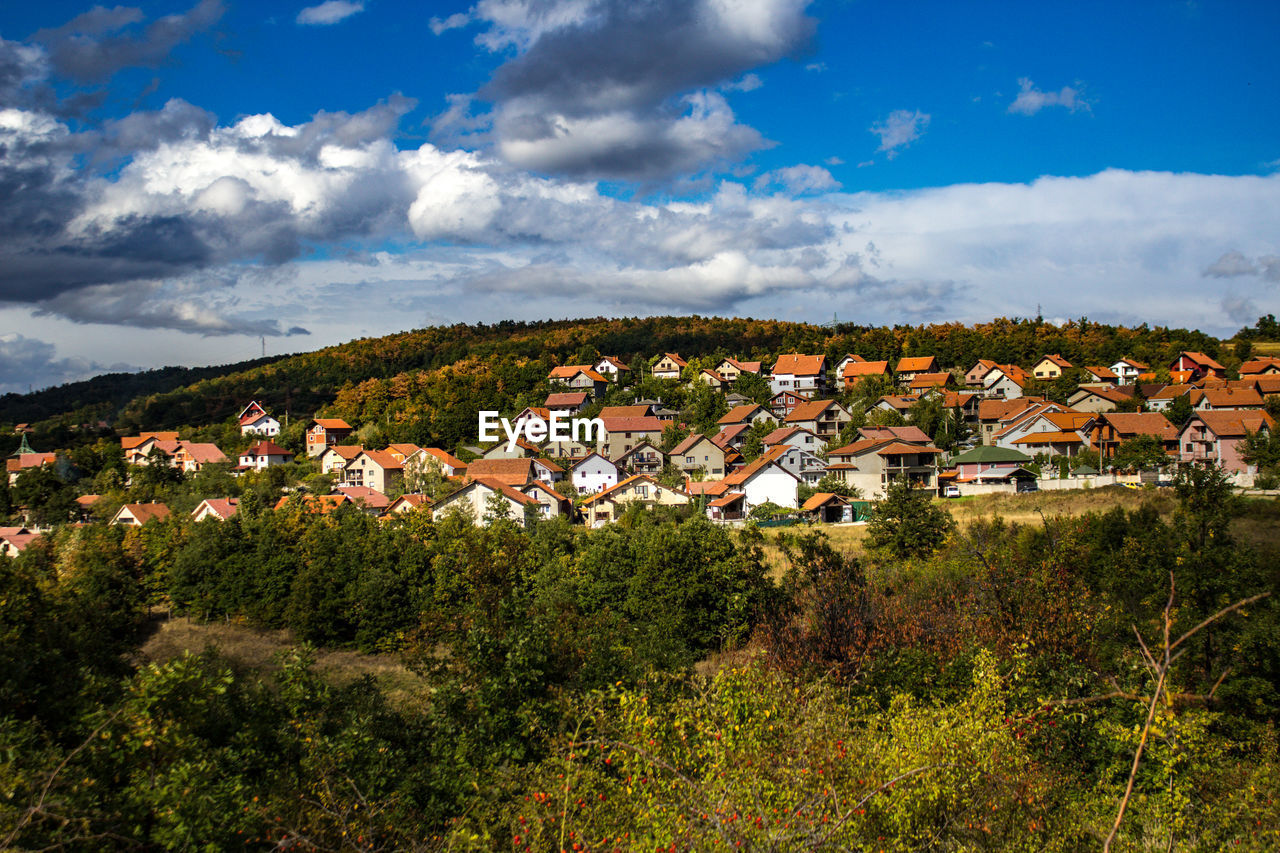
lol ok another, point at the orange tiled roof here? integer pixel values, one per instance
(795, 364)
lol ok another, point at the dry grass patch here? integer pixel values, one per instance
(256, 650)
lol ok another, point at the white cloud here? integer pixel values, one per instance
(329, 12)
(455, 21)
(1031, 100)
(748, 83)
(899, 129)
(798, 180)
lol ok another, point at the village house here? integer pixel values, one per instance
(326, 432)
(192, 456)
(644, 458)
(219, 509)
(254, 420)
(1218, 436)
(848, 359)
(403, 451)
(1267, 365)
(372, 501)
(622, 434)
(823, 418)
(604, 507)
(668, 367)
(593, 473)
(1127, 370)
(1163, 399)
(1098, 399)
(1111, 429)
(730, 369)
(567, 402)
(799, 373)
(828, 508)
(476, 500)
(911, 366)
(15, 540)
(407, 503)
(870, 465)
(711, 379)
(522, 449)
(580, 377)
(1229, 398)
(804, 465)
(337, 457)
(512, 472)
(794, 436)
(750, 413)
(1199, 365)
(924, 384)
(995, 413)
(1050, 367)
(908, 433)
(263, 455)
(14, 466)
(988, 465)
(732, 436)
(976, 375)
(426, 459)
(765, 481)
(1100, 375)
(136, 515)
(699, 453)
(856, 371)
(1005, 381)
(138, 448)
(376, 469)
(783, 402)
(900, 403)
(611, 368)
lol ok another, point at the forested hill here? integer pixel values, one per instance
(438, 370)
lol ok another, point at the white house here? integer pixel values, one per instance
(254, 420)
(765, 481)
(795, 372)
(593, 473)
(262, 455)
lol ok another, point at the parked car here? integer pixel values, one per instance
(1028, 486)
(951, 491)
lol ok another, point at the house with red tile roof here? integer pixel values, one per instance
(1050, 367)
(376, 469)
(855, 371)
(783, 402)
(749, 413)
(1098, 399)
(14, 466)
(15, 540)
(1127, 370)
(571, 402)
(1218, 436)
(699, 453)
(798, 437)
(730, 369)
(1266, 365)
(474, 499)
(336, 457)
(580, 377)
(326, 432)
(611, 368)
(369, 499)
(605, 506)
(976, 374)
(871, 464)
(254, 420)
(1005, 381)
(1199, 364)
(136, 515)
(1111, 429)
(219, 509)
(644, 458)
(823, 418)
(408, 503)
(806, 374)
(1229, 398)
(192, 456)
(909, 367)
(668, 367)
(1101, 375)
(622, 434)
(263, 455)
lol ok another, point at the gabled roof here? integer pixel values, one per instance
(382, 459)
(898, 448)
(728, 434)
(990, 453)
(705, 487)
(901, 402)
(1056, 359)
(781, 434)
(369, 496)
(738, 414)
(411, 500)
(959, 399)
(1049, 437)
(624, 412)
(613, 360)
(644, 424)
(689, 442)
(330, 423)
(609, 492)
(445, 457)
(346, 451)
(795, 364)
(267, 448)
(203, 452)
(1226, 423)
(129, 442)
(513, 472)
(568, 371)
(496, 486)
(1114, 395)
(917, 364)
(998, 410)
(593, 455)
(744, 366)
(1134, 363)
(1141, 423)
(548, 464)
(1259, 364)
(1171, 392)
(727, 499)
(223, 508)
(763, 461)
(929, 380)
(146, 512)
(1226, 398)
(1201, 359)
(856, 369)
(565, 399)
(820, 499)
(1102, 372)
(809, 410)
(901, 433)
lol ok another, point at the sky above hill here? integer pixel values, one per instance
(184, 183)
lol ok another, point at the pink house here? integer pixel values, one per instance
(1217, 435)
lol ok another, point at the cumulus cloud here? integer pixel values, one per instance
(328, 13)
(798, 180)
(1031, 100)
(617, 89)
(93, 46)
(748, 83)
(900, 129)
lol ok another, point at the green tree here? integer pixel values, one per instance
(754, 387)
(906, 523)
(1179, 411)
(1141, 453)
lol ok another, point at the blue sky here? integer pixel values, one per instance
(183, 180)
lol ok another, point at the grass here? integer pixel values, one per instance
(1021, 508)
(1266, 348)
(256, 650)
